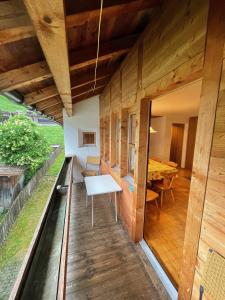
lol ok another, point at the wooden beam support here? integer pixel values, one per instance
(49, 22)
(37, 72)
(110, 11)
(204, 136)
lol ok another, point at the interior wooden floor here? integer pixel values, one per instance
(102, 261)
(164, 232)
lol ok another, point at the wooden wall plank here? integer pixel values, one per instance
(209, 97)
(49, 22)
(129, 78)
(184, 43)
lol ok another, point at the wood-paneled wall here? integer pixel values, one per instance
(213, 219)
(205, 225)
(169, 54)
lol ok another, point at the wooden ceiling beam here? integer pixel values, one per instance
(110, 11)
(56, 116)
(76, 81)
(48, 19)
(41, 95)
(100, 87)
(14, 22)
(24, 76)
(53, 110)
(59, 119)
(48, 103)
(85, 57)
(87, 95)
(15, 34)
(37, 72)
(88, 86)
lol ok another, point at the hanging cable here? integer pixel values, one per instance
(99, 33)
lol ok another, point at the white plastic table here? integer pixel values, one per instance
(98, 185)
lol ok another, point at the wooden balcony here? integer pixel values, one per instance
(102, 261)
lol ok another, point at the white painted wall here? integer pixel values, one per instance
(86, 117)
(160, 142)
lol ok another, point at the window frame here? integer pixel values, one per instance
(131, 141)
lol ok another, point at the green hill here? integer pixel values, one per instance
(10, 106)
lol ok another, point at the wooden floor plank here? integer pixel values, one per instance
(102, 261)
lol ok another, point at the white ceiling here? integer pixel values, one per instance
(183, 101)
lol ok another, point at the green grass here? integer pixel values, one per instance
(54, 169)
(20, 236)
(54, 134)
(10, 106)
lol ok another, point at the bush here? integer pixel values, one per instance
(21, 144)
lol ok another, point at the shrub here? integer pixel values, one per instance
(21, 144)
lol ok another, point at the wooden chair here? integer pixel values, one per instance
(165, 185)
(171, 164)
(152, 196)
(93, 161)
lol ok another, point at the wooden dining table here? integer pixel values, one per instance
(155, 169)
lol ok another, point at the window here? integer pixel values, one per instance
(131, 143)
(89, 138)
(86, 138)
(118, 137)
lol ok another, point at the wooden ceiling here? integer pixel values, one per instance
(48, 48)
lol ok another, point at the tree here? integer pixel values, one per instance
(21, 144)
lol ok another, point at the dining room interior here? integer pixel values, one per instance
(172, 135)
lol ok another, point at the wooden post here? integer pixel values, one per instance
(141, 146)
(102, 129)
(112, 140)
(123, 159)
(209, 97)
(106, 138)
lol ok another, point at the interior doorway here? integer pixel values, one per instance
(177, 143)
(171, 149)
